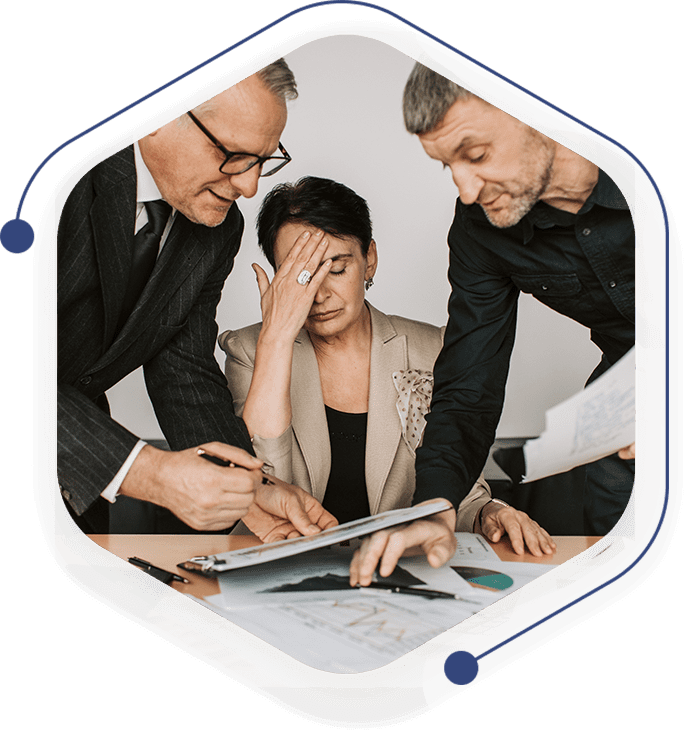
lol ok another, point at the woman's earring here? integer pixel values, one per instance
(369, 283)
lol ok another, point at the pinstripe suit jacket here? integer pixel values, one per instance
(171, 331)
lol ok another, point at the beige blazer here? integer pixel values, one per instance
(301, 454)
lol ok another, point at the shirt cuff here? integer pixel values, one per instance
(111, 491)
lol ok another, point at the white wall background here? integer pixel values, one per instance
(347, 125)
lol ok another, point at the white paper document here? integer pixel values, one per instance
(472, 546)
(304, 605)
(500, 578)
(594, 423)
(351, 632)
(321, 573)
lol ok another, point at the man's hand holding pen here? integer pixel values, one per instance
(284, 511)
(208, 497)
(212, 486)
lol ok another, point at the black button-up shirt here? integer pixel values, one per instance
(580, 264)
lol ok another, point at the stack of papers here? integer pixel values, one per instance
(304, 606)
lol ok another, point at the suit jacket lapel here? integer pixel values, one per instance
(388, 354)
(112, 216)
(187, 244)
(182, 252)
(308, 414)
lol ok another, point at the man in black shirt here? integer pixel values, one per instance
(532, 216)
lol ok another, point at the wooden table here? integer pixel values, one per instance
(167, 551)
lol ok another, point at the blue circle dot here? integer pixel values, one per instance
(17, 236)
(461, 668)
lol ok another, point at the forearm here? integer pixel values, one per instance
(470, 375)
(193, 404)
(469, 511)
(285, 303)
(143, 480)
(267, 411)
(205, 496)
(92, 447)
(452, 456)
(187, 388)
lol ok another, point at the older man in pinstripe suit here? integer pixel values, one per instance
(145, 243)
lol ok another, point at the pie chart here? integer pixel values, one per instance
(482, 578)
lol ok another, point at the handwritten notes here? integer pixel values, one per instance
(594, 423)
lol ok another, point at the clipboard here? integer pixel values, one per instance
(213, 564)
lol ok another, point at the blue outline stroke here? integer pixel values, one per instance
(536, 97)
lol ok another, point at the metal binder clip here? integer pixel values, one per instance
(201, 565)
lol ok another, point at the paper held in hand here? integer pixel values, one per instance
(594, 423)
(213, 564)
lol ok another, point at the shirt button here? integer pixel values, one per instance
(85, 380)
(543, 287)
(612, 283)
(586, 231)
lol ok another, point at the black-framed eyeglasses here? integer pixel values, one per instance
(238, 162)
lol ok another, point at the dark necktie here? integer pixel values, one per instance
(144, 253)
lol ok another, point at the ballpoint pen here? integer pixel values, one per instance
(163, 575)
(225, 463)
(384, 588)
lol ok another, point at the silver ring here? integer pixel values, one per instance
(304, 277)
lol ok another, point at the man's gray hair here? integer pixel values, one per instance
(279, 80)
(276, 77)
(427, 98)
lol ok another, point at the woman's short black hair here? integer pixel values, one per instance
(317, 202)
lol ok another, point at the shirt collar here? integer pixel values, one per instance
(605, 194)
(146, 187)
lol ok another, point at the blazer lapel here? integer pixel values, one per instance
(308, 414)
(112, 217)
(189, 247)
(181, 254)
(388, 354)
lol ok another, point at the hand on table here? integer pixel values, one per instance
(497, 520)
(284, 511)
(284, 301)
(202, 494)
(434, 535)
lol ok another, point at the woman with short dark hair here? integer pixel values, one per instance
(333, 391)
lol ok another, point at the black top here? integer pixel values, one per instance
(345, 496)
(581, 265)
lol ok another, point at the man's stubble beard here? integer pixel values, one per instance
(202, 220)
(521, 204)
